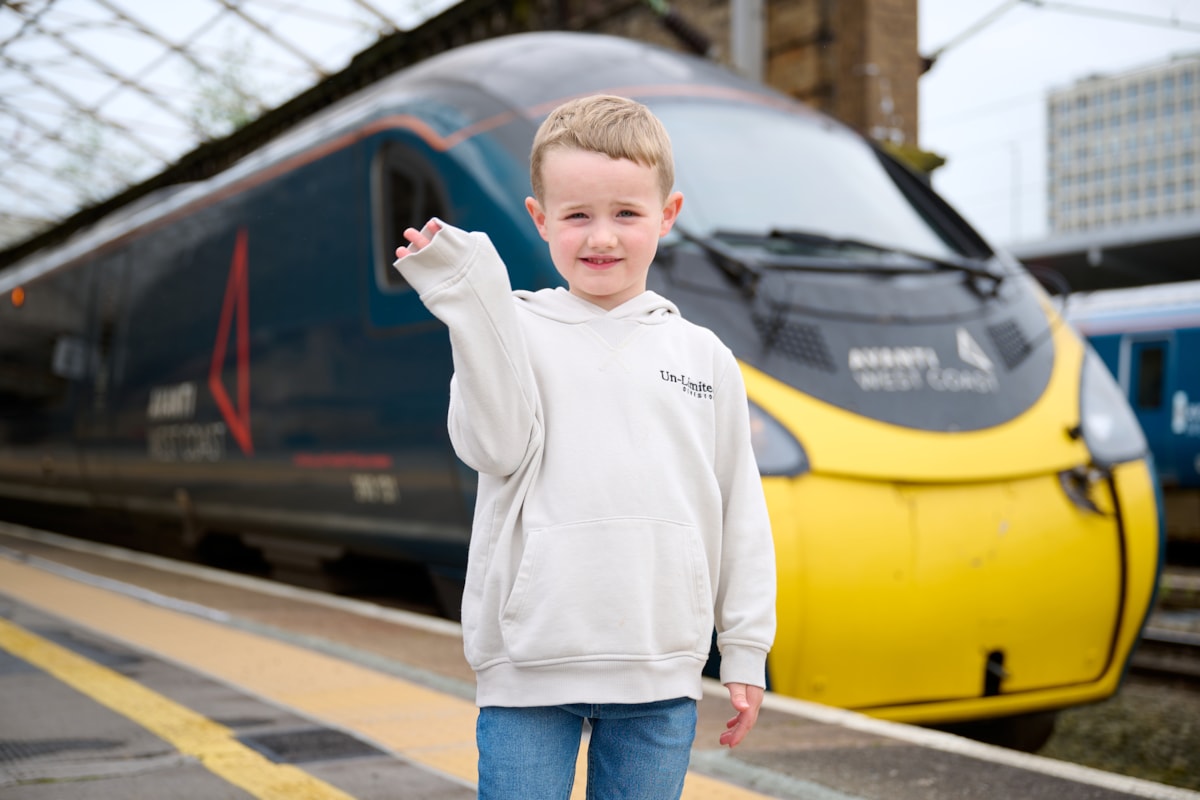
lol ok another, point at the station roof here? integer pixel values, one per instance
(99, 95)
(1156, 251)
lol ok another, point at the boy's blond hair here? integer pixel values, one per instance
(613, 126)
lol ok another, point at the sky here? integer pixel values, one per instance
(982, 105)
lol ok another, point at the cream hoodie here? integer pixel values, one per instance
(620, 514)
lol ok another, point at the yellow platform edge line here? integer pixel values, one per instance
(214, 745)
(223, 653)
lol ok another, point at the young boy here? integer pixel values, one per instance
(620, 512)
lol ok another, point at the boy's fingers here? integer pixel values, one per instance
(746, 700)
(417, 239)
(737, 731)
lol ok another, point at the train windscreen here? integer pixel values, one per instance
(752, 170)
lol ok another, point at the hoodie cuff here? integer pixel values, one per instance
(443, 262)
(741, 664)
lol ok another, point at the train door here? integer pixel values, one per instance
(96, 411)
(1147, 372)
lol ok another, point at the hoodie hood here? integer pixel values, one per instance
(558, 304)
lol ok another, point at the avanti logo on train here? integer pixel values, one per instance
(907, 369)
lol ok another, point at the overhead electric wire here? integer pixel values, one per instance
(1067, 8)
(1120, 16)
(971, 30)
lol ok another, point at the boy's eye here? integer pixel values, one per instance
(626, 213)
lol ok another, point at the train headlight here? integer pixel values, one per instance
(1106, 421)
(776, 451)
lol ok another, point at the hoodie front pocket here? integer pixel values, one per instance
(626, 587)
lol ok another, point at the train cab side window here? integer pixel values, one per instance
(1151, 361)
(406, 192)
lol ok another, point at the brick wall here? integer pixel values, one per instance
(854, 59)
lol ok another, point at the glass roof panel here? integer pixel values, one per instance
(98, 95)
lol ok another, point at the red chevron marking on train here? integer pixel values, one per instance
(237, 297)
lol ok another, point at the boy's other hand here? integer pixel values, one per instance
(746, 701)
(418, 238)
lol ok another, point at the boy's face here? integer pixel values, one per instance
(603, 218)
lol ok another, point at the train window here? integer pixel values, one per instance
(406, 192)
(1150, 372)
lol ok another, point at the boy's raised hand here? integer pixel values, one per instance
(746, 701)
(418, 238)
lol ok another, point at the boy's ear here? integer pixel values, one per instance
(671, 212)
(537, 215)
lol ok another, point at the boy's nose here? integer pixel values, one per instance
(602, 237)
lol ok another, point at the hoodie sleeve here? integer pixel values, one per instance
(493, 419)
(745, 602)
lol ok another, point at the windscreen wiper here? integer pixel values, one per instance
(747, 270)
(962, 265)
(744, 271)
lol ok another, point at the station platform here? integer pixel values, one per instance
(124, 675)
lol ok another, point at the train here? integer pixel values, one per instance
(967, 524)
(1149, 338)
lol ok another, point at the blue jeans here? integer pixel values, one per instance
(636, 751)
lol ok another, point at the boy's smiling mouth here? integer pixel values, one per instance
(600, 262)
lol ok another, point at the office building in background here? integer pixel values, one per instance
(1123, 149)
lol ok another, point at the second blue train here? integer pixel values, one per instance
(1149, 337)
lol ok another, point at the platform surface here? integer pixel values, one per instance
(127, 676)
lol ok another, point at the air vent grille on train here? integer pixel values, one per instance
(1010, 341)
(796, 340)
